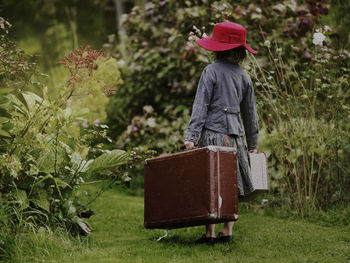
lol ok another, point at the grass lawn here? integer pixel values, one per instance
(119, 236)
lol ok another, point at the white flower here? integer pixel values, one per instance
(204, 35)
(264, 201)
(318, 39)
(151, 122)
(327, 28)
(267, 43)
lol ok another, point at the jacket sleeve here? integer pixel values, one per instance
(250, 116)
(200, 106)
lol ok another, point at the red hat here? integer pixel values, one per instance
(226, 35)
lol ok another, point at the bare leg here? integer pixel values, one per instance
(210, 230)
(227, 229)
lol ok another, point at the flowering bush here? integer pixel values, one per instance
(318, 39)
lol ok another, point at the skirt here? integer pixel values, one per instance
(209, 137)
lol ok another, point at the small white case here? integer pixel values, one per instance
(259, 171)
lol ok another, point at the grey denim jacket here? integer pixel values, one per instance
(224, 92)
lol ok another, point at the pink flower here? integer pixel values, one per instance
(85, 124)
(76, 123)
(327, 28)
(97, 122)
(307, 55)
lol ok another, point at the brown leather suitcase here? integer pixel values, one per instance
(191, 188)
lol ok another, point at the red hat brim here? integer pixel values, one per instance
(209, 44)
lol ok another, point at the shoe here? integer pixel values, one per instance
(205, 240)
(222, 239)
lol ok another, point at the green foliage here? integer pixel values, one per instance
(157, 132)
(110, 159)
(45, 155)
(161, 64)
(89, 101)
(16, 68)
(303, 113)
(154, 74)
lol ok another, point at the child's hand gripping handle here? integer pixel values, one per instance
(189, 145)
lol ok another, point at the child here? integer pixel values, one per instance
(224, 93)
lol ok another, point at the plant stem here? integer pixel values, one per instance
(56, 144)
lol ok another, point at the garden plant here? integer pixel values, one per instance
(51, 146)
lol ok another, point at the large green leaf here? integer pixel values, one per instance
(5, 108)
(17, 104)
(48, 157)
(42, 200)
(4, 133)
(111, 159)
(31, 99)
(4, 119)
(21, 198)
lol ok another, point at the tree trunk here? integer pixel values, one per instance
(121, 31)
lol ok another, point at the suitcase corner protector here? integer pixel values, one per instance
(211, 148)
(212, 215)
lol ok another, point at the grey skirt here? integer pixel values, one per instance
(209, 137)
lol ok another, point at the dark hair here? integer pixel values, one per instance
(237, 54)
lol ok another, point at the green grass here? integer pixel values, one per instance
(119, 236)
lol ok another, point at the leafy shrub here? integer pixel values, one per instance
(160, 63)
(45, 156)
(158, 132)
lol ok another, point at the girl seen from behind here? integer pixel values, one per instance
(224, 109)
